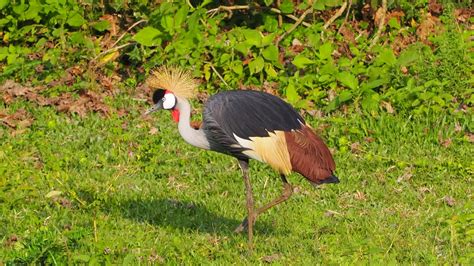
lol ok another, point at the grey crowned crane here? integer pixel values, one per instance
(246, 125)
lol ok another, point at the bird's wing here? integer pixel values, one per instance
(249, 114)
(309, 155)
(251, 124)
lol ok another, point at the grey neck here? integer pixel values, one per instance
(190, 135)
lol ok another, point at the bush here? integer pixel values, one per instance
(259, 46)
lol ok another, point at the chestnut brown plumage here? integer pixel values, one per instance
(309, 156)
(247, 125)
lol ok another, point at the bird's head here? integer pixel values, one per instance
(164, 99)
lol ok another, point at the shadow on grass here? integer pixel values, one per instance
(182, 215)
(177, 214)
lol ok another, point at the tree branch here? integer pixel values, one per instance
(280, 18)
(113, 49)
(294, 26)
(290, 16)
(381, 24)
(347, 16)
(335, 16)
(230, 10)
(219, 75)
(131, 27)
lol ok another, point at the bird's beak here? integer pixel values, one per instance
(152, 109)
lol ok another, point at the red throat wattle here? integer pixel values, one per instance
(175, 115)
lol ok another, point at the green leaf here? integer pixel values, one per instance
(371, 102)
(291, 94)
(333, 3)
(109, 57)
(268, 39)
(53, 194)
(345, 96)
(12, 58)
(225, 58)
(407, 57)
(180, 16)
(270, 71)
(253, 37)
(4, 21)
(319, 5)
(375, 83)
(387, 57)
(256, 65)
(101, 25)
(300, 61)
(332, 105)
(167, 22)
(325, 51)
(354, 50)
(314, 39)
(206, 2)
(329, 69)
(268, 2)
(3, 53)
(287, 7)
(393, 23)
(33, 11)
(242, 48)
(76, 20)
(4, 3)
(213, 27)
(270, 23)
(238, 68)
(20, 8)
(345, 62)
(375, 72)
(148, 36)
(348, 80)
(439, 100)
(270, 53)
(470, 100)
(77, 38)
(207, 72)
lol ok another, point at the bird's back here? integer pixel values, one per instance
(252, 113)
(258, 125)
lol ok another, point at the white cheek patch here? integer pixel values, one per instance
(169, 101)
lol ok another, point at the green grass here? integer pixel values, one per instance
(128, 196)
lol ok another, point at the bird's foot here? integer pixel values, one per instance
(243, 226)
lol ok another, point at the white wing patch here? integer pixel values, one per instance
(250, 146)
(271, 149)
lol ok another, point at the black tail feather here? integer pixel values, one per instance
(330, 179)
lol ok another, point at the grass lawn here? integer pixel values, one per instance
(129, 190)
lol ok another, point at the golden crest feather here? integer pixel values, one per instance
(176, 80)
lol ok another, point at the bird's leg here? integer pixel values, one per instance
(244, 165)
(286, 194)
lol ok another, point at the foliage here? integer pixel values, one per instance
(311, 66)
(48, 34)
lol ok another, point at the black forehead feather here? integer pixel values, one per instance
(158, 95)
